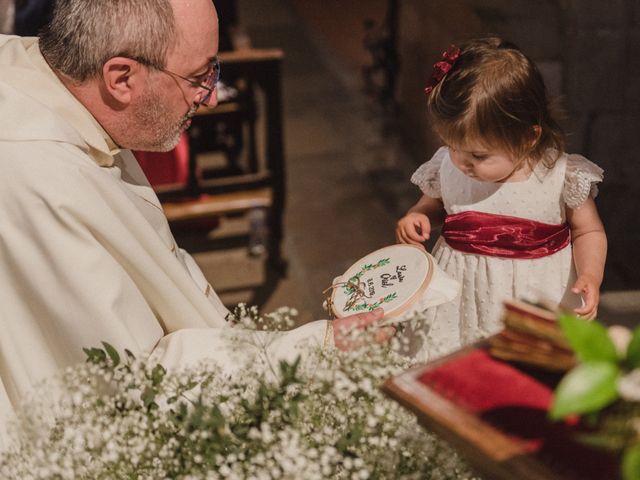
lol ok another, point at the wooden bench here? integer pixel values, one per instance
(257, 183)
(218, 205)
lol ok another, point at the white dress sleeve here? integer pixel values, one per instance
(427, 176)
(580, 181)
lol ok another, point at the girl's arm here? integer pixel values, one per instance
(589, 254)
(415, 227)
(432, 208)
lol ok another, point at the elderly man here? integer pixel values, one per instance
(86, 254)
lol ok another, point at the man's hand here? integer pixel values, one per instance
(588, 288)
(346, 330)
(413, 228)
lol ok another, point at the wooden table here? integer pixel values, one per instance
(494, 414)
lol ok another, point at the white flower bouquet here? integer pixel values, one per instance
(117, 417)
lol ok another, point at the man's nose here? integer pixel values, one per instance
(212, 101)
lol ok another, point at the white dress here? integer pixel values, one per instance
(486, 281)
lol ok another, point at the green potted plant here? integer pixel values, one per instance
(603, 388)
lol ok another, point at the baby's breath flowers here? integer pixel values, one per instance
(119, 417)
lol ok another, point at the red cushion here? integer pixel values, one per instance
(166, 168)
(481, 383)
(515, 402)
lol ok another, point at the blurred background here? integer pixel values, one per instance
(355, 128)
(304, 167)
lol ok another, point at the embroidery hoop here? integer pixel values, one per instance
(350, 287)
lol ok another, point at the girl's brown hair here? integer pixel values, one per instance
(495, 95)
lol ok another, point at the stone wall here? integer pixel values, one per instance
(588, 52)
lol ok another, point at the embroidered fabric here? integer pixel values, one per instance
(580, 181)
(427, 176)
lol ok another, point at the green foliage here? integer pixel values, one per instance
(372, 306)
(189, 419)
(348, 289)
(157, 374)
(591, 385)
(99, 356)
(592, 389)
(112, 353)
(631, 463)
(588, 339)
(633, 350)
(587, 388)
(612, 429)
(95, 355)
(148, 398)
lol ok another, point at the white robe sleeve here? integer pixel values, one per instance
(233, 349)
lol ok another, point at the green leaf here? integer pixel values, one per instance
(191, 385)
(157, 374)
(589, 339)
(113, 354)
(631, 463)
(95, 355)
(148, 398)
(633, 350)
(587, 388)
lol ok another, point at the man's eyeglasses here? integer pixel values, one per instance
(207, 81)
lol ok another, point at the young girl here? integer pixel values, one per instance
(517, 213)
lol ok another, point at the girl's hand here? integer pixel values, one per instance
(588, 287)
(413, 228)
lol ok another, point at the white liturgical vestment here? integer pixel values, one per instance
(86, 254)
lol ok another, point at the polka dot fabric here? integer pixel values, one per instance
(487, 281)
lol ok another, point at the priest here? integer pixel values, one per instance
(86, 254)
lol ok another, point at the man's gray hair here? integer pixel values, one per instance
(84, 34)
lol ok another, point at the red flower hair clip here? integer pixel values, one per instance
(441, 68)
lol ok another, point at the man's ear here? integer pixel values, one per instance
(122, 77)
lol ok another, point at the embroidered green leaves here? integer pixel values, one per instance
(359, 292)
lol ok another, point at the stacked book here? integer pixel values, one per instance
(532, 336)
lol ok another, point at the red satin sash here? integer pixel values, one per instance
(504, 236)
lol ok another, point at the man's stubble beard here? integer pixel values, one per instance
(161, 133)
